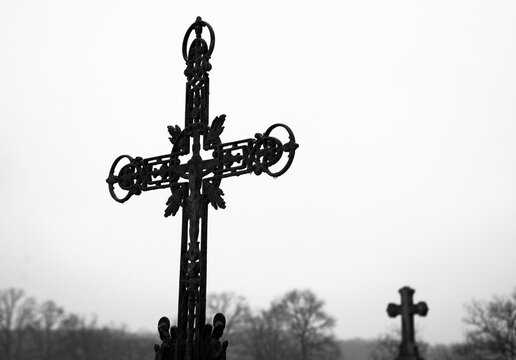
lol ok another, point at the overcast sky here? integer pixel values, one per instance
(405, 115)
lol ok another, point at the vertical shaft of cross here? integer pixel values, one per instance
(407, 320)
(192, 294)
(182, 311)
(192, 275)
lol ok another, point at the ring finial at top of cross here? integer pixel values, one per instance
(197, 26)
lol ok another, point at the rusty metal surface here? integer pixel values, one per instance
(194, 184)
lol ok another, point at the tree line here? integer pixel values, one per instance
(295, 326)
(44, 331)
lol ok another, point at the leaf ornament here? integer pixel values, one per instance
(174, 132)
(175, 201)
(214, 195)
(217, 126)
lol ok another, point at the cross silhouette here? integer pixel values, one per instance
(196, 183)
(407, 310)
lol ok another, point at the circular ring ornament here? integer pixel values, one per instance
(276, 148)
(198, 25)
(126, 179)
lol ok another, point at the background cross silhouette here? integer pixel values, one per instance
(407, 310)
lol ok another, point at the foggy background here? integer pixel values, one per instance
(405, 116)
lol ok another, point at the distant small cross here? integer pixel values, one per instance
(407, 310)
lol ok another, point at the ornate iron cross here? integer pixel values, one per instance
(407, 310)
(195, 183)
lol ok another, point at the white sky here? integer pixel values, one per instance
(404, 112)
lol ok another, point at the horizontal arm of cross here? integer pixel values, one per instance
(256, 155)
(393, 310)
(421, 308)
(230, 159)
(139, 174)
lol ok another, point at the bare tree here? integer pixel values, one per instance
(307, 324)
(492, 332)
(8, 301)
(236, 310)
(79, 337)
(49, 317)
(265, 338)
(234, 307)
(16, 315)
(26, 319)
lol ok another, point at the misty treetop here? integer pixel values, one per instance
(296, 326)
(44, 331)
